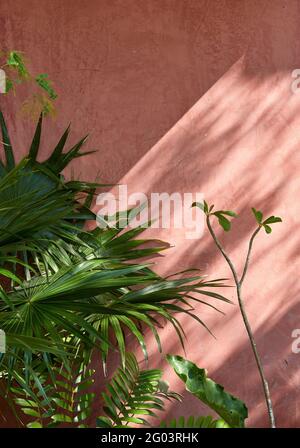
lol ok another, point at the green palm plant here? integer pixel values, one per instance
(37, 204)
(130, 398)
(56, 162)
(133, 395)
(67, 400)
(75, 291)
(195, 422)
(84, 301)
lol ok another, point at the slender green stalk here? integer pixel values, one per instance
(238, 284)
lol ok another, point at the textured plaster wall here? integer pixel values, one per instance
(189, 95)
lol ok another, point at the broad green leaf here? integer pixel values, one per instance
(267, 228)
(258, 215)
(228, 213)
(199, 205)
(224, 222)
(272, 220)
(230, 408)
(34, 425)
(31, 412)
(203, 206)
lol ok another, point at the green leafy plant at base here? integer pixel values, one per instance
(224, 217)
(67, 399)
(132, 395)
(232, 410)
(69, 293)
(195, 422)
(72, 291)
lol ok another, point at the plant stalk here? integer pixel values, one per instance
(238, 284)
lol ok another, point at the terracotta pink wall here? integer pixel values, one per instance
(189, 95)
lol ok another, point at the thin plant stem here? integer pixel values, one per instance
(248, 254)
(238, 284)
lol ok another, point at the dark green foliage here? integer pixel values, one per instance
(266, 223)
(222, 215)
(68, 400)
(224, 221)
(195, 422)
(133, 395)
(73, 290)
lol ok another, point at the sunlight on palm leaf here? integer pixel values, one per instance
(75, 291)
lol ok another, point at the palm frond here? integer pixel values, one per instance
(8, 151)
(132, 395)
(70, 398)
(195, 422)
(72, 289)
